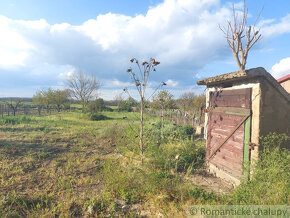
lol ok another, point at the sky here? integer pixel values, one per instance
(43, 42)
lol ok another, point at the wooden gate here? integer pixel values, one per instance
(228, 131)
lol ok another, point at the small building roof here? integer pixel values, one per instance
(233, 76)
(284, 78)
(244, 75)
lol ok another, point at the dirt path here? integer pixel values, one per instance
(209, 182)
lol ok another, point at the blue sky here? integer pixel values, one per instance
(43, 42)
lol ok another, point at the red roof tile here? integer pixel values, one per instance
(284, 78)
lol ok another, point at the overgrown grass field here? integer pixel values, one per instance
(70, 165)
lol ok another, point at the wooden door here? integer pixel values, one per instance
(228, 133)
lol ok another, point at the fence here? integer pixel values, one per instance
(31, 110)
(176, 117)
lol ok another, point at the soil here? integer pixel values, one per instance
(209, 182)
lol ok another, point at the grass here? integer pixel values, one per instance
(61, 165)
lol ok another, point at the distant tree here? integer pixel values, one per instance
(96, 105)
(163, 101)
(39, 101)
(59, 98)
(48, 96)
(199, 105)
(100, 104)
(83, 87)
(185, 103)
(14, 104)
(240, 36)
(127, 105)
(132, 102)
(118, 99)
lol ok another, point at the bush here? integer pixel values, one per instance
(124, 106)
(15, 120)
(98, 117)
(190, 157)
(168, 133)
(275, 140)
(96, 106)
(186, 131)
(181, 157)
(108, 109)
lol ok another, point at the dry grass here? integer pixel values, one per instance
(60, 165)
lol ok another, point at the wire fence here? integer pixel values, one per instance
(32, 110)
(176, 117)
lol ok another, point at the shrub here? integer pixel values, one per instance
(97, 117)
(15, 120)
(96, 106)
(274, 140)
(108, 109)
(186, 131)
(183, 157)
(124, 106)
(190, 157)
(168, 133)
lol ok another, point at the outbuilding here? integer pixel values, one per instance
(240, 107)
(285, 82)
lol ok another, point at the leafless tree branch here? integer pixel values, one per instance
(240, 36)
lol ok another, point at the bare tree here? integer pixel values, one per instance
(118, 99)
(83, 87)
(14, 104)
(141, 81)
(240, 36)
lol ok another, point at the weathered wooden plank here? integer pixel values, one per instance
(229, 163)
(230, 110)
(233, 171)
(223, 120)
(231, 98)
(224, 141)
(227, 110)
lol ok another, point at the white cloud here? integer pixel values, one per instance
(281, 69)
(175, 31)
(183, 35)
(118, 84)
(269, 28)
(171, 83)
(13, 47)
(66, 74)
